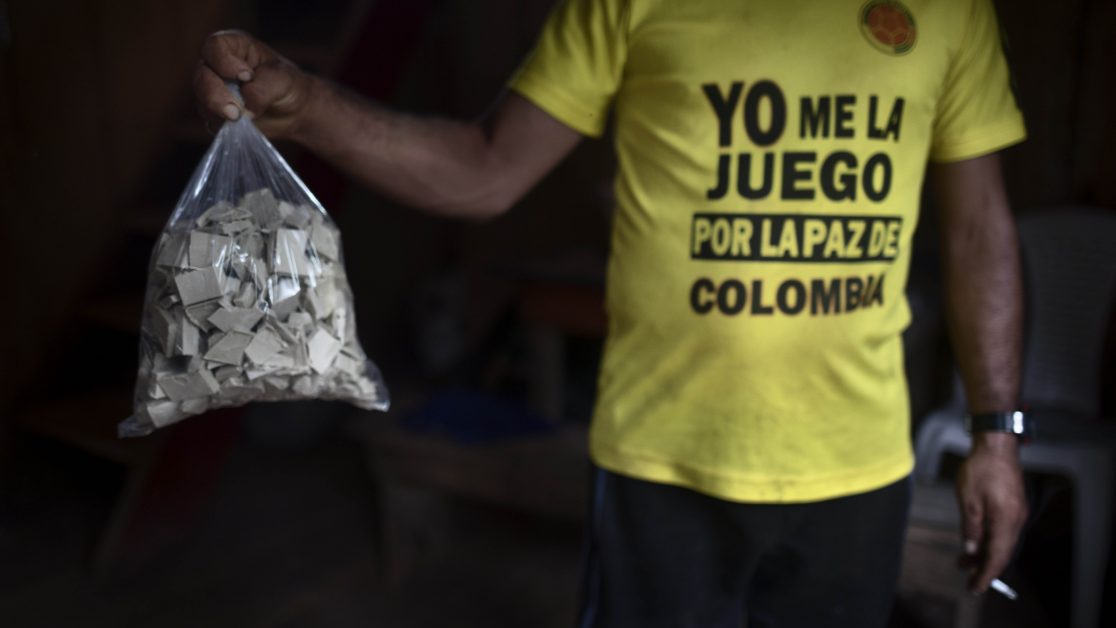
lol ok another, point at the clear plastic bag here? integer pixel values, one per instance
(247, 298)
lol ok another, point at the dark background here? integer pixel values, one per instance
(316, 514)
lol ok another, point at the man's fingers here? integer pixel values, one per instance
(232, 55)
(270, 87)
(1002, 535)
(972, 536)
(214, 98)
(1004, 523)
(972, 525)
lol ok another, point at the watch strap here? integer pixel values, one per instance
(1013, 422)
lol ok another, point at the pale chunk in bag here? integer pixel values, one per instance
(247, 298)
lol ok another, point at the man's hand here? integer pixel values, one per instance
(993, 506)
(275, 91)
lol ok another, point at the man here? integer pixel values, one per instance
(752, 428)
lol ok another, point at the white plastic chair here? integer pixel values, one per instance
(1069, 261)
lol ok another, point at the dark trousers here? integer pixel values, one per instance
(667, 556)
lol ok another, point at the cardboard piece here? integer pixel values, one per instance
(305, 385)
(252, 244)
(188, 341)
(172, 251)
(226, 373)
(297, 216)
(162, 413)
(263, 206)
(229, 348)
(284, 292)
(301, 321)
(263, 347)
(339, 323)
(209, 249)
(247, 296)
(348, 364)
(276, 384)
(188, 385)
(256, 371)
(230, 288)
(288, 253)
(324, 242)
(196, 286)
(199, 314)
(197, 405)
(323, 348)
(154, 392)
(164, 329)
(239, 319)
(220, 210)
(236, 226)
(261, 271)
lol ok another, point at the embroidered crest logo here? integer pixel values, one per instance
(889, 26)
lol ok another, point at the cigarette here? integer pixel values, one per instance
(1003, 589)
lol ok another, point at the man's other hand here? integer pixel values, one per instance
(993, 506)
(275, 91)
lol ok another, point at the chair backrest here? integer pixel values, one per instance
(1069, 266)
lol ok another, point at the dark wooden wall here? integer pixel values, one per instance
(1064, 61)
(88, 91)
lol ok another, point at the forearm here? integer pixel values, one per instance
(468, 170)
(983, 288)
(440, 165)
(984, 303)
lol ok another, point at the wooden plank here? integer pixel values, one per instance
(1043, 47)
(1095, 121)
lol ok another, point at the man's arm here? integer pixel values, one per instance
(470, 170)
(984, 308)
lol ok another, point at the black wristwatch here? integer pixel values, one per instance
(1015, 422)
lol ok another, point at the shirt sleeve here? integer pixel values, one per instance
(576, 66)
(977, 113)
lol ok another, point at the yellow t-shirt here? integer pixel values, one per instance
(771, 156)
